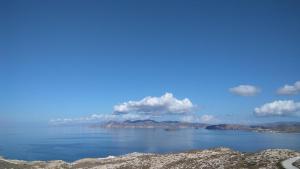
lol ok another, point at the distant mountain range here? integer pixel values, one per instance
(172, 125)
(151, 124)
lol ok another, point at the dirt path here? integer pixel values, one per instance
(288, 164)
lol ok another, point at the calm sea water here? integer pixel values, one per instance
(73, 143)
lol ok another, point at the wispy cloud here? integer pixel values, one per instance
(278, 108)
(96, 118)
(206, 118)
(290, 89)
(165, 104)
(245, 90)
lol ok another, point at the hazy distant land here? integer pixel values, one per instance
(150, 124)
(290, 127)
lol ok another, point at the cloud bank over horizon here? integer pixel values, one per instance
(165, 104)
(98, 118)
(278, 108)
(168, 107)
(289, 89)
(149, 107)
(245, 90)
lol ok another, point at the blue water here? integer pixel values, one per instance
(73, 143)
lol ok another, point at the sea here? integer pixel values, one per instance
(72, 143)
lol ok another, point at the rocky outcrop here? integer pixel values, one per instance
(219, 158)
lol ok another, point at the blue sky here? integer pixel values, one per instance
(69, 59)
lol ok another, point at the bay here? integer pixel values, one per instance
(73, 143)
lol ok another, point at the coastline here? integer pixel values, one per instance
(212, 158)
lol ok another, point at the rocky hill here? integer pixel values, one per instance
(219, 158)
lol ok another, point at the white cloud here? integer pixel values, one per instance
(165, 104)
(278, 108)
(147, 108)
(199, 119)
(245, 90)
(290, 89)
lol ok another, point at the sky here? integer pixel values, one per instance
(209, 60)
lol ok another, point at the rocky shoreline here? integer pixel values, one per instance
(218, 158)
